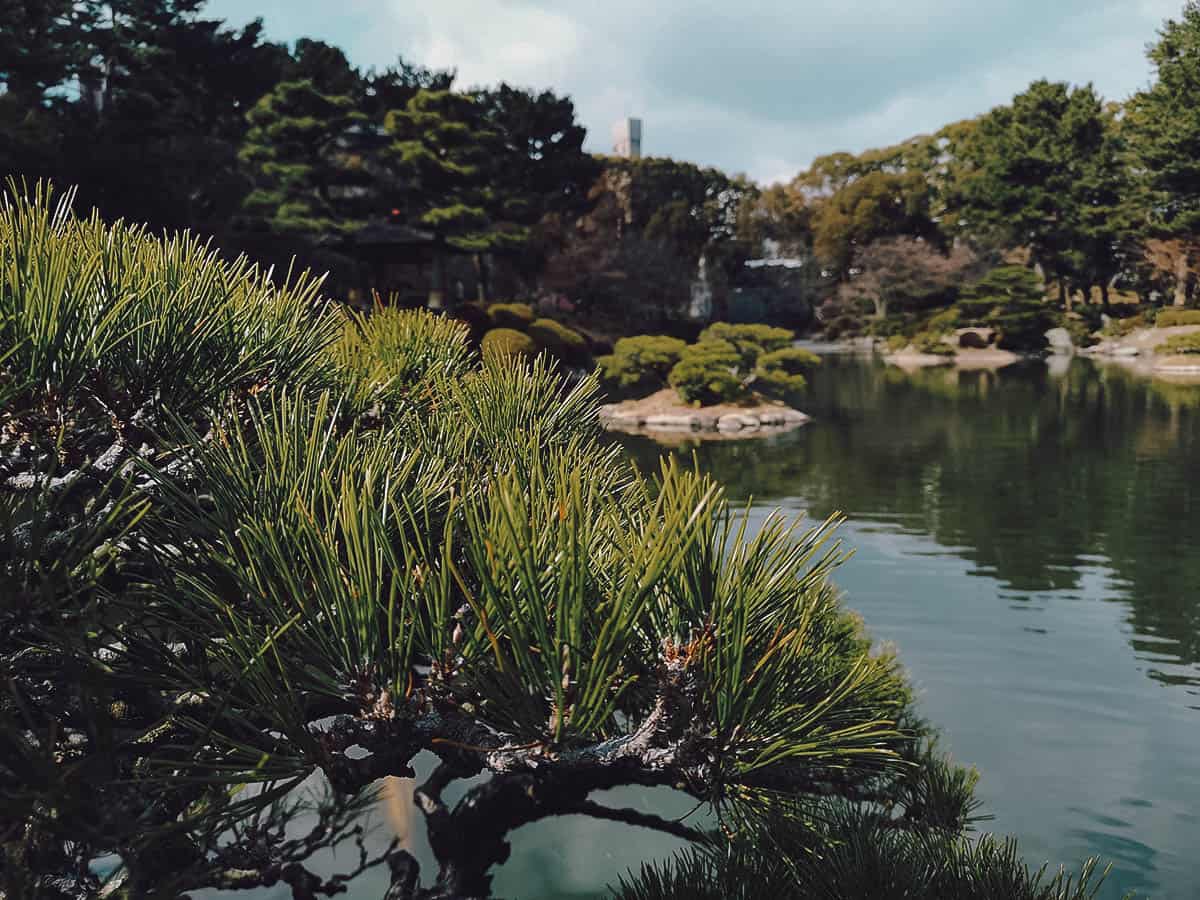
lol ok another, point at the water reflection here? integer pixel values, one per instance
(1028, 538)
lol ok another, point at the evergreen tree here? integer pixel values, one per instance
(292, 152)
(1045, 173)
(1010, 299)
(1163, 127)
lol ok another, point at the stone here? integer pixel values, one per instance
(681, 423)
(1060, 341)
(729, 423)
(1127, 351)
(974, 338)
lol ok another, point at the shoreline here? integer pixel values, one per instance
(663, 412)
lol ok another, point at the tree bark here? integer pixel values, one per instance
(482, 288)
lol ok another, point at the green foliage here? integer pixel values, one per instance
(750, 341)
(1119, 328)
(1180, 343)
(396, 354)
(1047, 172)
(833, 853)
(781, 372)
(1163, 125)
(111, 315)
(508, 342)
(1080, 331)
(511, 315)
(1168, 318)
(1009, 299)
(931, 342)
(944, 322)
(642, 362)
(709, 372)
(563, 342)
(292, 155)
(897, 342)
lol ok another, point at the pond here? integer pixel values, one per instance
(1029, 539)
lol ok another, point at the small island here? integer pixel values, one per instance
(736, 381)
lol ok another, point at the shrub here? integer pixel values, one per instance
(750, 341)
(644, 361)
(508, 342)
(1180, 344)
(1119, 328)
(897, 342)
(708, 372)
(1169, 317)
(511, 315)
(475, 317)
(928, 342)
(781, 372)
(563, 342)
(944, 322)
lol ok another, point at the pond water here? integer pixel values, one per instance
(1030, 540)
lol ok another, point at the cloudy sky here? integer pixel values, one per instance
(755, 86)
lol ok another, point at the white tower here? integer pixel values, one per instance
(627, 138)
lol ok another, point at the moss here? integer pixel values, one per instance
(1170, 317)
(511, 315)
(508, 342)
(708, 373)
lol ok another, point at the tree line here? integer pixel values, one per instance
(164, 116)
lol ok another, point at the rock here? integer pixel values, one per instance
(729, 423)
(1126, 351)
(975, 338)
(794, 417)
(1060, 341)
(680, 422)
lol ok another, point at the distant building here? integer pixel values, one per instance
(627, 138)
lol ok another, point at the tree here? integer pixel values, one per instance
(252, 542)
(1012, 300)
(904, 274)
(292, 153)
(1163, 127)
(443, 150)
(1046, 173)
(876, 205)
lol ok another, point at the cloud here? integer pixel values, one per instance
(760, 86)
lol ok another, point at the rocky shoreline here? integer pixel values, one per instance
(664, 412)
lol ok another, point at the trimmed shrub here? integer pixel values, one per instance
(475, 317)
(1081, 333)
(928, 342)
(782, 372)
(511, 315)
(508, 342)
(896, 343)
(565, 343)
(1180, 344)
(707, 373)
(644, 361)
(750, 341)
(1169, 317)
(945, 322)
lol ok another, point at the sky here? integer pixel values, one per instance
(753, 86)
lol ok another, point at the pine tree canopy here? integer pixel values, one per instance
(256, 547)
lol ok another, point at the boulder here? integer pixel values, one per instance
(975, 338)
(1127, 351)
(1060, 341)
(674, 422)
(729, 423)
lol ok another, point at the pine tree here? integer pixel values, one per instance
(1163, 128)
(1010, 299)
(294, 159)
